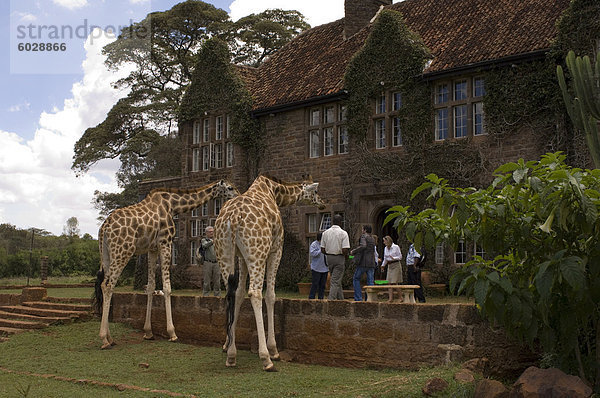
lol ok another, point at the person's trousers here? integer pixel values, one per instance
(358, 273)
(319, 280)
(336, 265)
(212, 276)
(414, 278)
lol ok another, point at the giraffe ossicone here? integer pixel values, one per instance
(146, 227)
(250, 227)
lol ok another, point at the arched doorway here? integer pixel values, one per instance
(380, 230)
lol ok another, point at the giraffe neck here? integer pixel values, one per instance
(283, 194)
(185, 201)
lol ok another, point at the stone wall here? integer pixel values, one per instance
(342, 333)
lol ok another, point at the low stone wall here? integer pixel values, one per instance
(342, 333)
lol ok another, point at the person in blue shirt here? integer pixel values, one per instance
(318, 268)
(413, 268)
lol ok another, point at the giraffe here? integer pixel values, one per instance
(250, 227)
(146, 227)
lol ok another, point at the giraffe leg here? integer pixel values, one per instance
(107, 341)
(239, 297)
(165, 263)
(255, 293)
(272, 265)
(150, 293)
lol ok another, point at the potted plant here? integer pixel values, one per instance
(304, 286)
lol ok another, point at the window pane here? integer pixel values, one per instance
(228, 127)
(329, 114)
(218, 205)
(205, 158)
(205, 130)
(325, 221)
(380, 133)
(478, 87)
(218, 156)
(230, 154)
(219, 132)
(312, 223)
(314, 144)
(315, 116)
(213, 156)
(342, 114)
(205, 209)
(196, 133)
(396, 132)
(460, 255)
(460, 121)
(441, 94)
(196, 159)
(439, 253)
(397, 101)
(342, 139)
(478, 118)
(328, 141)
(380, 104)
(460, 90)
(441, 124)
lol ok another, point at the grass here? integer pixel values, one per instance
(72, 351)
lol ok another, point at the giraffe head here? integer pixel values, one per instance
(225, 190)
(309, 194)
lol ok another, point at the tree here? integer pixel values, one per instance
(540, 278)
(258, 36)
(163, 48)
(71, 228)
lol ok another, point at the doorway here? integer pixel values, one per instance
(380, 230)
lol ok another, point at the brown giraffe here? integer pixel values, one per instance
(249, 227)
(146, 227)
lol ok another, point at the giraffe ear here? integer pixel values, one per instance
(312, 187)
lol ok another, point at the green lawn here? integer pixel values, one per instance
(72, 352)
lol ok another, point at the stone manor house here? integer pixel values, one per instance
(300, 100)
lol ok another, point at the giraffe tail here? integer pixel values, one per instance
(97, 296)
(232, 284)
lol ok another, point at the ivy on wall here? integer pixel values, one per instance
(372, 70)
(216, 85)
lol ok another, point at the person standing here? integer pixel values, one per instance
(391, 257)
(335, 244)
(211, 271)
(318, 269)
(413, 265)
(365, 261)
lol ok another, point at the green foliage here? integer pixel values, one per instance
(538, 224)
(372, 71)
(294, 263)
(67, 255)
(578, 29)
(584, 106)
(261, 35)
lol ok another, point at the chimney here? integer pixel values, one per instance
(358, 13)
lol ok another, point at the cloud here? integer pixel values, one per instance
(317, 12)
(20, 107)
(37, 186)
(24, 17)
(71, 4)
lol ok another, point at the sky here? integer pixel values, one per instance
(49, 98)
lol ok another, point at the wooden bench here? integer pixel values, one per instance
(405, 291)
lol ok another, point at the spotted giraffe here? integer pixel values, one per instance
(250, 227)
(146, 227)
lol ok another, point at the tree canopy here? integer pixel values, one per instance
(162, 51)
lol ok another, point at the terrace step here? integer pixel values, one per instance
(44, 312)
(58, 306)
(70, 300)
(6, 331)
(28, 317)
(17, 324)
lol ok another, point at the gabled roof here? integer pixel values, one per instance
(458, 33)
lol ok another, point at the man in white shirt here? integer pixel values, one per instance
(336, 245)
